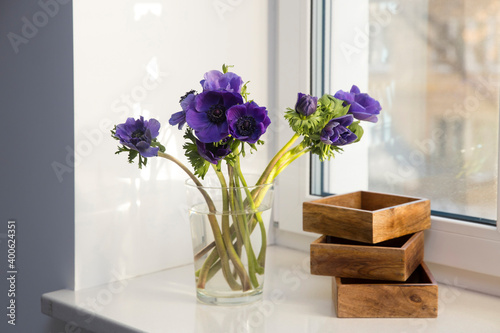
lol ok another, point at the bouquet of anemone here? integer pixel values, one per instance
(221, 123)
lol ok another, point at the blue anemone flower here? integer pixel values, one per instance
(208, 118)
(336, 132)
(216, 81)
(212, 152)
(187, 103)
(138, 134)
(363, 107)
(247, 122)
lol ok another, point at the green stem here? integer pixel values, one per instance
(216, 266)
(285, 160)
(219, 242)
(262, 253)
(237, 205)
(269, 173)
(226, 235)
(212, 259)
(283, 165)
(290, 155)
(279, 162)
(272, 163)
(238, 247)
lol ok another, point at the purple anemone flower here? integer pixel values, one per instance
(216, 81)
(306, 104)
(363, 107)
(208, 118)
(138, 134)
(187, 103)
(211, 152)
(247, 122)
(336, 132)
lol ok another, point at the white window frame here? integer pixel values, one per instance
(464, 248)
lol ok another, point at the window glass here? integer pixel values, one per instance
(434, 67)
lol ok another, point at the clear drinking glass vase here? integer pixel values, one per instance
(229, 226)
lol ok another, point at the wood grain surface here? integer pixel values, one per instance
(391, 260)
(368, 217)
(415, 298)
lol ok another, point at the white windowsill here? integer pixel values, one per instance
(294, 301)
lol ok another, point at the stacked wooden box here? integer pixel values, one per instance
(373, 247)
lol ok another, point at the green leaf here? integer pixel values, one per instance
(356, 128)
(133, 154)
(199, 164)
(142, 161)
(155, 143)
(331, 107)
(324, 151)
(253, 146)
(234, 145)
(242, 151)
(113, 133)
(244, 92)
(325, 100)
(122, 149)
(303, 125)
(328, 108)
(226, 67)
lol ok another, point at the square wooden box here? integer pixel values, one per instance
(395, 259)
(368, 217)
(415, 298)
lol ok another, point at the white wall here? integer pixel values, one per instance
(137, 58)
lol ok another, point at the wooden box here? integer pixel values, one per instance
(395, 259)
(368, 217)
(415, 298)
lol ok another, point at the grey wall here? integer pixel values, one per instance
(36, 125)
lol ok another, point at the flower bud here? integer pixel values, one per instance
(306, 104)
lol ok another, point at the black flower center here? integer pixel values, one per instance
(245, 125)
(217, 114)
(137, 133)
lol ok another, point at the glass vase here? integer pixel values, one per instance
(229, 226)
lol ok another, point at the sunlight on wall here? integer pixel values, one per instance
(134, 58)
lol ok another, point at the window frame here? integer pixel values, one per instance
(452, 243)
